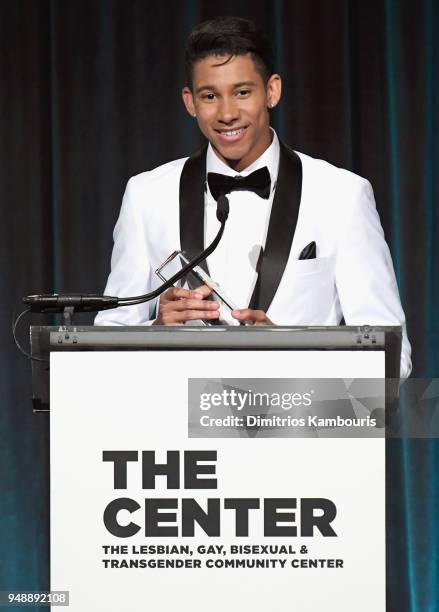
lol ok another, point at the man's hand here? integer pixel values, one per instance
(258, 317)
(180, 305)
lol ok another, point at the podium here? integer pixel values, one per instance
(196, 468)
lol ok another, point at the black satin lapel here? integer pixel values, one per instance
(281, 228)
(192, 182)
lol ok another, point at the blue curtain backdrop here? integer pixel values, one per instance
(89, 95)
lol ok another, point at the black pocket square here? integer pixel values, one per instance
(309, 252)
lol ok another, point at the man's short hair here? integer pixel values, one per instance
(229, 36)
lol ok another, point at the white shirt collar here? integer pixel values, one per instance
(269, 158)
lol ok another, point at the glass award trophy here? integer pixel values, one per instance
(194, 279)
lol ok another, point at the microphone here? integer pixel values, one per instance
(222, 208)
(53, 303)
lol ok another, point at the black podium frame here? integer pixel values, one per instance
(46, 339)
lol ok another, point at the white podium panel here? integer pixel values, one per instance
(310, 511)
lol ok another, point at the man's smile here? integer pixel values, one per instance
(231, 134)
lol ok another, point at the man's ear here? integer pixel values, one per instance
(188, 100)
(274, 90)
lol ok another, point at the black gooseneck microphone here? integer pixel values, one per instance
(53, 303)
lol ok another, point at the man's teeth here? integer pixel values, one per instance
(233, 132)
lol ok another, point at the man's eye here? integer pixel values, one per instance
(209, 97)
(242, 93)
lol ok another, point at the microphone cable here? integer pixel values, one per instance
(15, 321)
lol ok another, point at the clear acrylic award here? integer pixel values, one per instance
(195, 279)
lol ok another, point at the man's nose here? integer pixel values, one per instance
(227, 111)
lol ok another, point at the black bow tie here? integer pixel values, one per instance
(258, 181)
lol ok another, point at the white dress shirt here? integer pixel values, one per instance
(233, 264)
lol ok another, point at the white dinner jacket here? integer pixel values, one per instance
(352, 276)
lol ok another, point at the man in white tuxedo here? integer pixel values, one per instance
(303, 244)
